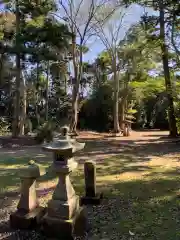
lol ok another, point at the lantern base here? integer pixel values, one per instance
(21, 220)
(66, 229)
(91, 200)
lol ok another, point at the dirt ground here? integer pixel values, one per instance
(146, 140)
(142, 157)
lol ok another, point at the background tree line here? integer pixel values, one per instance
(44, 79)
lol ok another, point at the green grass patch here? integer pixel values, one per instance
(9, 169)
(141, 196)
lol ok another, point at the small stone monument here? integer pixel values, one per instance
(91, 197)
(28, 212)
(127, 128)
(64, 217)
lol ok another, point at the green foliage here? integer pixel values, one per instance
(151, 103)
(45, 132)
(96, 112)
(39, 34)
(132, 111)
(49, 32)
(177, 109)
(43, 42)
(178, 124)
(150, 87)
(4, 126)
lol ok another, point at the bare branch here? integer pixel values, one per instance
(87, 26)
(78, 9)
(119, 27)
(104, 20)
(109, 32)
(102, 36)
(91, 14)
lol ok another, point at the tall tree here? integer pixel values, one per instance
(109, 34)
(165, 9)
(139, 57)
(82, 16)
(33, 34)
(165, 60)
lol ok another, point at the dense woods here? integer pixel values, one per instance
(45, 82)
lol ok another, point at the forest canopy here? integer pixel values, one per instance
(44, 78)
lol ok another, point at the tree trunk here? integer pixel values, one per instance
(47, 93)
(17, 108)
(171, 112)
(124, 102)
(37, 95)
(2, 60)
(65, 83)
(36, 109)
(75, 98)
(75, 91)
(74, 119)
(116, 98)
(121, 113)
(23, 105)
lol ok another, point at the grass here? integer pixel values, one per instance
(141, 199)
(141, 194)
(10, 182)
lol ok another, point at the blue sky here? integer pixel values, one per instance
(1, 5)
(133, 15)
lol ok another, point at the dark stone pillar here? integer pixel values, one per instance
(91, 197)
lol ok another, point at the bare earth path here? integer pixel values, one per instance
(103, 146)
(139, 176)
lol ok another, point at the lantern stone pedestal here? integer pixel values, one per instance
(28, 212)
(64, 218)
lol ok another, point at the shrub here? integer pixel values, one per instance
(4, 126)
(45, 132)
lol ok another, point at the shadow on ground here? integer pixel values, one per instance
(135, 148)
(139, 210)
(141, 195)
(125, 155)
(134, 210)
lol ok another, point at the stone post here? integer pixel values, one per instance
(127, 128)
(125, 132)
(91, 197)
(28, 212)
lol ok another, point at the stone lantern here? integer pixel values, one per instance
(64, 217)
